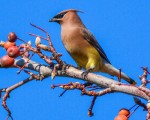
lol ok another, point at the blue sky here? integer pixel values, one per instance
(122, 27)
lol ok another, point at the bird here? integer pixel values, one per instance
(83, 46)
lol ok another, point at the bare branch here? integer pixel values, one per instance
(143, 78)
(92, 78)
(7, 92)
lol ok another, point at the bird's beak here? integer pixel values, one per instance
(53, 20)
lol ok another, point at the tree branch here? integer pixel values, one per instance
(92, 78)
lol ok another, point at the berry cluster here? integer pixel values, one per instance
(12, 51)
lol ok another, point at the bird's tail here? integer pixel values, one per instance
(108, 68)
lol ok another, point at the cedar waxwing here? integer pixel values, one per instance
(82, 45)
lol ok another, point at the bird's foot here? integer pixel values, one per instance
(66, 66)
(85, 73)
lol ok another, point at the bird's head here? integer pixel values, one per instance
(65, 16)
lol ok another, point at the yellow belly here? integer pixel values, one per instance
(87, 58)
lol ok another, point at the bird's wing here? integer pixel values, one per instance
(91, 39)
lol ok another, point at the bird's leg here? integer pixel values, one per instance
(84, 75)
(90, 113)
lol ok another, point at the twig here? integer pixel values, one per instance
(22, 40)
(8, 90)
(133, 111)
(62, 93)
(52, 49)
(39, 28)
(90, 113)
(38, 36)
(139, 102)
(70, 86)
(143, 78)
(93, 93)
(25, 64)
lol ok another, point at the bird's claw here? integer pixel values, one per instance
(66, 66)
(84, 74)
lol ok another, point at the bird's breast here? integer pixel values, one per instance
(72, 39)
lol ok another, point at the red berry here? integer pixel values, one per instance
(7, 61)
(121, 117)
(124, 111)
(13, 51)
(12, 37)
(9, 44)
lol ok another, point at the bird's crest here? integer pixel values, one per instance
(73, 10)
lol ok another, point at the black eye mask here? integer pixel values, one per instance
(61, 15)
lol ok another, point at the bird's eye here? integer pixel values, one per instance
(61, 15)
